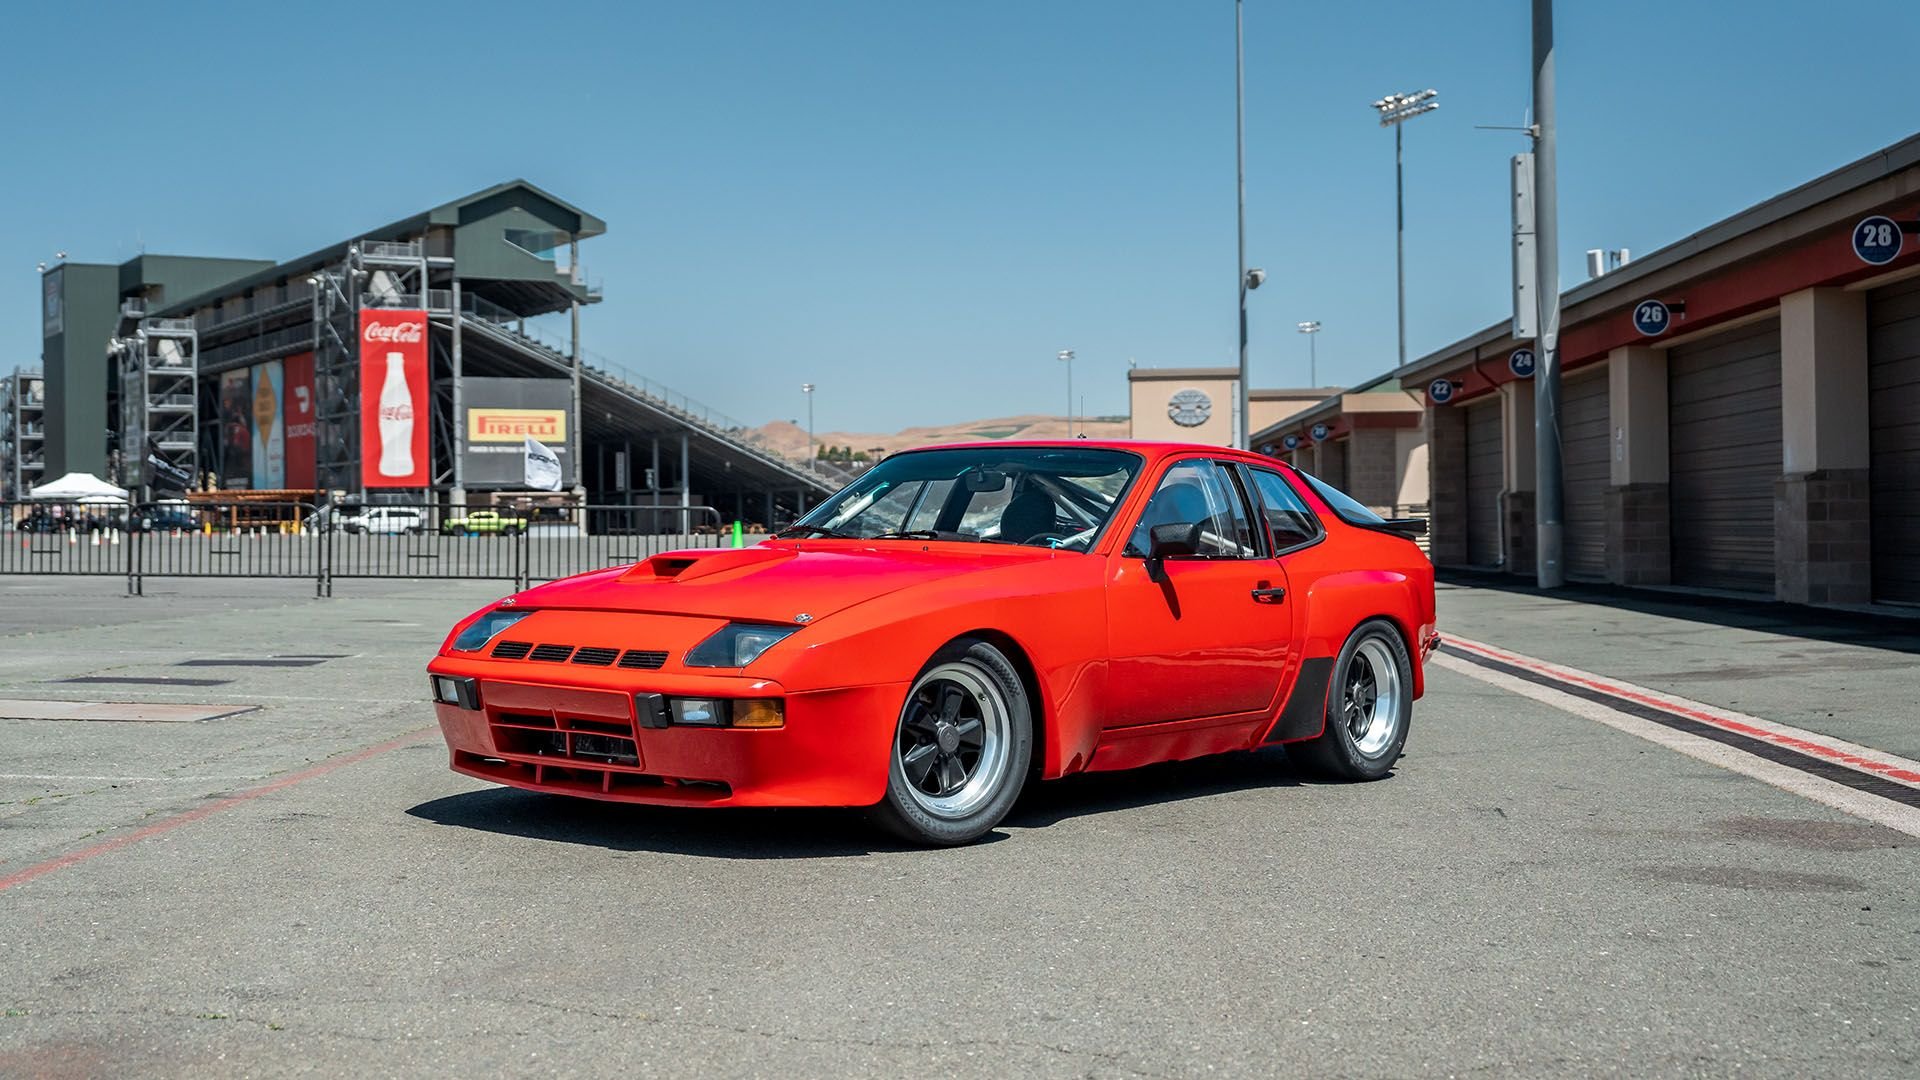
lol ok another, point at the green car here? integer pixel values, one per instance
(484, 521)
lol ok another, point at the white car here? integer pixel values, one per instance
(384, 519)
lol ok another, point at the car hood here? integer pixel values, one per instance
(774, 583)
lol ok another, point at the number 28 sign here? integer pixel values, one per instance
(1877, 240)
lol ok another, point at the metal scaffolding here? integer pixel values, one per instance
(158, 364)
(23, 432)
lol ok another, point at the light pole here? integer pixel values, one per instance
(1067, 356)
(1549, 499)
(1241, 434)
(1397, 109)
(813, 451)
(1311, 328)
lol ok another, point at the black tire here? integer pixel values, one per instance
(930, 731)
(1363, 736)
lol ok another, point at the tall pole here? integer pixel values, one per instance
(813, 450)
(1550, 572)
(1313, 363)
(1241, 434)
(1400, 243)
(1066, 356)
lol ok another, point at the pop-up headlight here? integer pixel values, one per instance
(737, 644)
(486, 628)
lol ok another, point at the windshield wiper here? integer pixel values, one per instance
(925, 534)
(814, 532)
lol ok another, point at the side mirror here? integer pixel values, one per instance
(1171, 541)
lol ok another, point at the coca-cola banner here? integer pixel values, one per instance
(297, 406)
(393, 399)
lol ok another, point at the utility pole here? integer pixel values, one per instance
(1549, 499)
(1310, 328)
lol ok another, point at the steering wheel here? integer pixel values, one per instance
(1062, 540)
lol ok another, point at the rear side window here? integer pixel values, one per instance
(1350, 511)
(1287, 515)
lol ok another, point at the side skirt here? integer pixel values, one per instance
(1305, 714)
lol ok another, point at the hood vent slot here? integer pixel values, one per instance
(552, 654)
(670, 568)
(594, 656)
(512, 650)
(644, 659)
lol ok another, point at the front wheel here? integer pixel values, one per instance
(961, 748)
(1369, 707)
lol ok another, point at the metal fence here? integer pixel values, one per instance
(299, 540)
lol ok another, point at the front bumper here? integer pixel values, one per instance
(834, 749)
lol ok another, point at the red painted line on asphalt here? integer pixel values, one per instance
(1852, 761)
(188, 817)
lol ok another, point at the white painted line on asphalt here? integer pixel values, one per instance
(1861, 804)
(136, 779)
(1854, 756)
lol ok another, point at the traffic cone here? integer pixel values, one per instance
(71, 538)
(96, 538)
(116, 538)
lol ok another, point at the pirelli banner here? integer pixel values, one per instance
(501, 415)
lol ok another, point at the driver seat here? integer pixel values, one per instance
(1028, 514)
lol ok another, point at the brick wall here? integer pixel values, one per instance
(1372, 468)
(1639, 535)
(1822, 537)
(1522, 538)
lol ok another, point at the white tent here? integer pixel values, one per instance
(78, 487)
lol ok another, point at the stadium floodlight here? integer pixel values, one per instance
(1310, 328)
(1395, 110)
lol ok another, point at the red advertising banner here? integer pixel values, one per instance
(393, 399)
(297, 414)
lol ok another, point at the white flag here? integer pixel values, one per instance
(543, 469)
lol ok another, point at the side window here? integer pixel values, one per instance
(1198, 491)
(1287, 515)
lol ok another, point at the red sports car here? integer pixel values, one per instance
(956, 623)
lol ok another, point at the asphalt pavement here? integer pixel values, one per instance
(303, 887)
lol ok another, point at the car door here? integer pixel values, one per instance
(1201, 636)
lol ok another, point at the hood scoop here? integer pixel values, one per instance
(684, 566)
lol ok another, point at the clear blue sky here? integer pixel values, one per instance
(915, 204)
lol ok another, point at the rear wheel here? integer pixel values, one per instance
(1369, 707)
(961, 748)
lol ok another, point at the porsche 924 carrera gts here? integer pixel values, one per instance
(957, 623)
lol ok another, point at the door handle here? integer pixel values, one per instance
(1266, 594)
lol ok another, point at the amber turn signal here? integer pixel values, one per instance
(759, 713)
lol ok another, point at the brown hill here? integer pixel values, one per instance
(790, 439)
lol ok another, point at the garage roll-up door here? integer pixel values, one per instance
(1893, 418)
(1723, 401)
(1484, 475)
(1585, 471)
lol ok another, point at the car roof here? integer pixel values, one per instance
(1153, 450)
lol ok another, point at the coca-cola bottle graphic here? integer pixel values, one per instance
(396, 420)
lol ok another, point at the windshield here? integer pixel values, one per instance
(1042, 497)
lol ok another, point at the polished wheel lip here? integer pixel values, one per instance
(957, 715)
(1370, 697)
